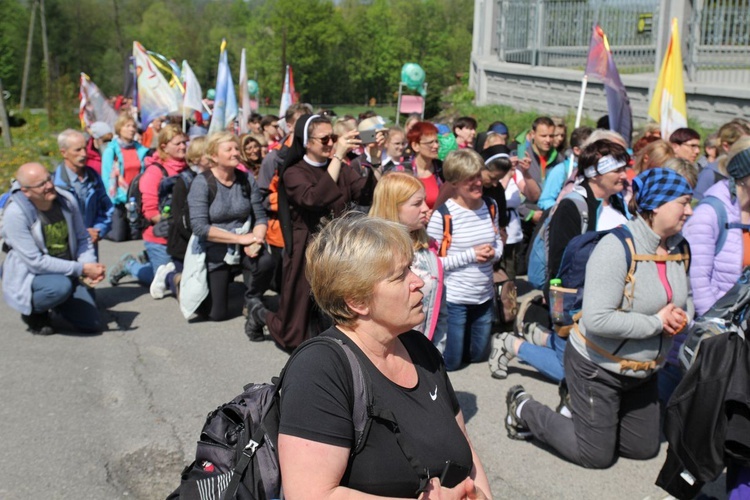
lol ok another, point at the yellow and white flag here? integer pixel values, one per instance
(668, 106)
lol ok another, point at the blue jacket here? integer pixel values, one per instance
(112, 154)
(29, 257)
(98, 208)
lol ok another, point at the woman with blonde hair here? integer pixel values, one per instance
(169, 161)
(227, 217)
(400, 197)
(122, 160)
(654, 154)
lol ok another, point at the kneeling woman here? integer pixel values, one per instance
(226, 213)
(359, 270)
(625, 333)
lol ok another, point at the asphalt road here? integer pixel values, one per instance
(117, 415)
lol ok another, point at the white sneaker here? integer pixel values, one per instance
(159, 285)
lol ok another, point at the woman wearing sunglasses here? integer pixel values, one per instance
(314, 184)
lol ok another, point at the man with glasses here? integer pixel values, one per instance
(686, 143)
(51, 263)
(84, 184)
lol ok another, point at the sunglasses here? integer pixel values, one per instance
(327, 139)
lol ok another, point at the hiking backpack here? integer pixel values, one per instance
(237, 454)
(504, 289)
(566, 294)
(728, 314)
(538, 272)
(138, 222)
(722, 221)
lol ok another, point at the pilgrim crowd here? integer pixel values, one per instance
(393, 239)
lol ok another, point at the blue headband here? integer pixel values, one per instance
(654, 187)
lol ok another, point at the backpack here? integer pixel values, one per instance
(237, 454)
(166, 188)
(136, 218)
(566, 297)
(728, 314)
(539, 250)
(4, 199)
(138, 222)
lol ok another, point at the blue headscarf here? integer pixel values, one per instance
(654, 187)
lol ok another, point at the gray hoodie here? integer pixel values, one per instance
(635, 333)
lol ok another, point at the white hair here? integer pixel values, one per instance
(600, 134)
(63, 140)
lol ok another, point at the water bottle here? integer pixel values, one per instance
(166, 212)
(557, 301)
(132, 210)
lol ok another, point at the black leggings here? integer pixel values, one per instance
(256, 274)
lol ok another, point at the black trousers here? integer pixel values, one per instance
(613, 415)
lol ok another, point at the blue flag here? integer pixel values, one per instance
(225, 103)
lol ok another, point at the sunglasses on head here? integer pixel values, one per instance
(327, 139)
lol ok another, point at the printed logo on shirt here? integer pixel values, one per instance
(434, 395)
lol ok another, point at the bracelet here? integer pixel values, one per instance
(339, 159)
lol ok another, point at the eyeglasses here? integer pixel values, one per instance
(692, 145)
(46, 181)
(327, 139)
(741, 182)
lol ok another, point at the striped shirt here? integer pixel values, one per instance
(466, 280)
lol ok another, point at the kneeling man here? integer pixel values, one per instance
(51, 261)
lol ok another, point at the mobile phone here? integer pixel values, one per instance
(453, 474)
(368, 136)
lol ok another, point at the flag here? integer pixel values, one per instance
(192, 99)
(244, 95)
(225, 103)
(155, 96)
(601, 64)
(288, 95)
(668, 107)
(94, 106)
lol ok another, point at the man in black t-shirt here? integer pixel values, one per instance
(51, 261)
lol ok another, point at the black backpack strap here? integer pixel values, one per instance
(445, 243)
(212, 186)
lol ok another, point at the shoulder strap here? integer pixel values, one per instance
(164, 172)
(492, 209)
(447, 230)
(212, 187)
(583, 209)
(721, 219)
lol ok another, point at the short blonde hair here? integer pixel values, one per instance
(348, 257)
(122, 120)
(393, 190)
(260, 139)
(196, 150)
(214, 140)
(166, 134)
(462, 164)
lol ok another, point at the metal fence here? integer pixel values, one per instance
(719, 43)
(556, 33)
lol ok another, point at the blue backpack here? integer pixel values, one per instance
(566, 297)
(538, 272)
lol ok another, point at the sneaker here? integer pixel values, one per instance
(159, 283)
(501, 354)
(513, 424)
(38, 324)
(523, 306)
(563, 408)
(120, 270)
(535, 334)
(255, 321)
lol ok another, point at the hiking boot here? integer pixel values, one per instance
(120, 270)
(523, 305)
(563, 408)
(38, 323)
(501, 354)
(159, 283)
(255, 322)
(513, 424)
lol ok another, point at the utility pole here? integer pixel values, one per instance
(27, 63)
(4, 119)
(48, 68)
